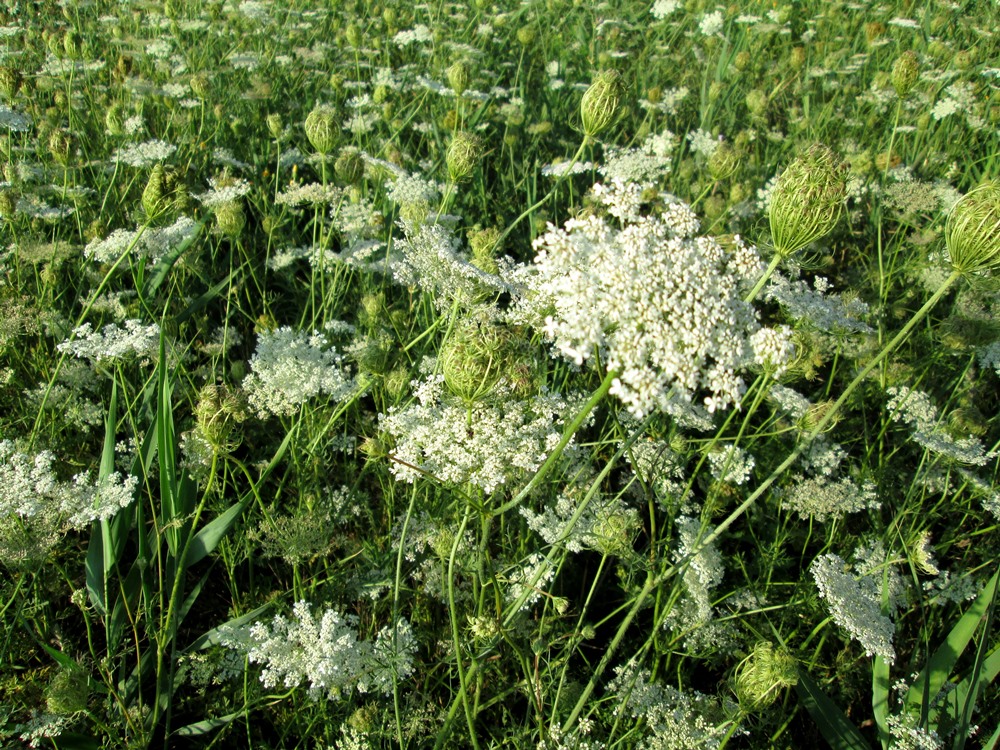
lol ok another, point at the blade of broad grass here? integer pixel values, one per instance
(101, 556)
(200, 728)
(942, 663)
(951, 708)
(880, 699)
(980, 677)
(202, 300)
(178, 492)
(211, 534)
(837, 729)
(994, 740)
(162, 269)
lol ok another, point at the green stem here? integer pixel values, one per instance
(567, 435)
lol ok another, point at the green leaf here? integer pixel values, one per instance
(209, 536)
(162, 269)
(880, 699)
(204, 727)
(836, 728)
(942, 663)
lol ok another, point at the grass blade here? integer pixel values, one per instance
(838, 730)
(942, 663)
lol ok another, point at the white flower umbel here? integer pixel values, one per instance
(822, 498)
(113, 342)
(491, 445)
(433, 259)
(855, 605)
(291, 367)
(29, 487)
(664, 309)
(325, 653)
(145, 242)
(916, 409)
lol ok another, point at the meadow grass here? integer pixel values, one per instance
(539, 374)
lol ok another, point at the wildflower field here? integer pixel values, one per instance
(549, 374)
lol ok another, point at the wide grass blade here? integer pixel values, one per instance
(838, 730)
(941, 665)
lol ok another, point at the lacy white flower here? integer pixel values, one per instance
(145, 154)
(113, 342)
(830, 313)
(732, 464)
(29, 487)
(145, 242)
(434, 260)
(325, 653)
(290, 367)
(773, 349)
(665, 309)
(916, 409)
(855, 604)
(822, 499)
(491, 445)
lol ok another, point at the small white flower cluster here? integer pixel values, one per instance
(830, 313)
(989, 357)
(703, 143)
(145, 242)
(418, 34)
(664, 8)
(907, 734)
(603, 526)
(646, 164)
(29, 487)
(309, 194)
(113, 342)
(291, 367)
(711, 23)
(916, 409)
(433, 260)
(731, 464)
(693, 615)
(822, 499)
(675, 720)
(223, 192)
(855, 604)
(13, 120)
(665, 309)
(145, 154)
(773, 349)
(488, 447)
(325, 653)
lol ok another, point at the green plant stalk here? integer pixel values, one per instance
(653, 582)
(395, 612)
(771, 268)
(553, 457)
(452, 612)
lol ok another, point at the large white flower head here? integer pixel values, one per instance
(663, 307)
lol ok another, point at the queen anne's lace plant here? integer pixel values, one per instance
(822, 499)
(488, 446)
(855, 604)
(916, 409)
(113, 342)
(675, 719)
(325, 653)
(663, 308)
(29, 487)
(290, 367)
(145, 242)
(434, 260)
